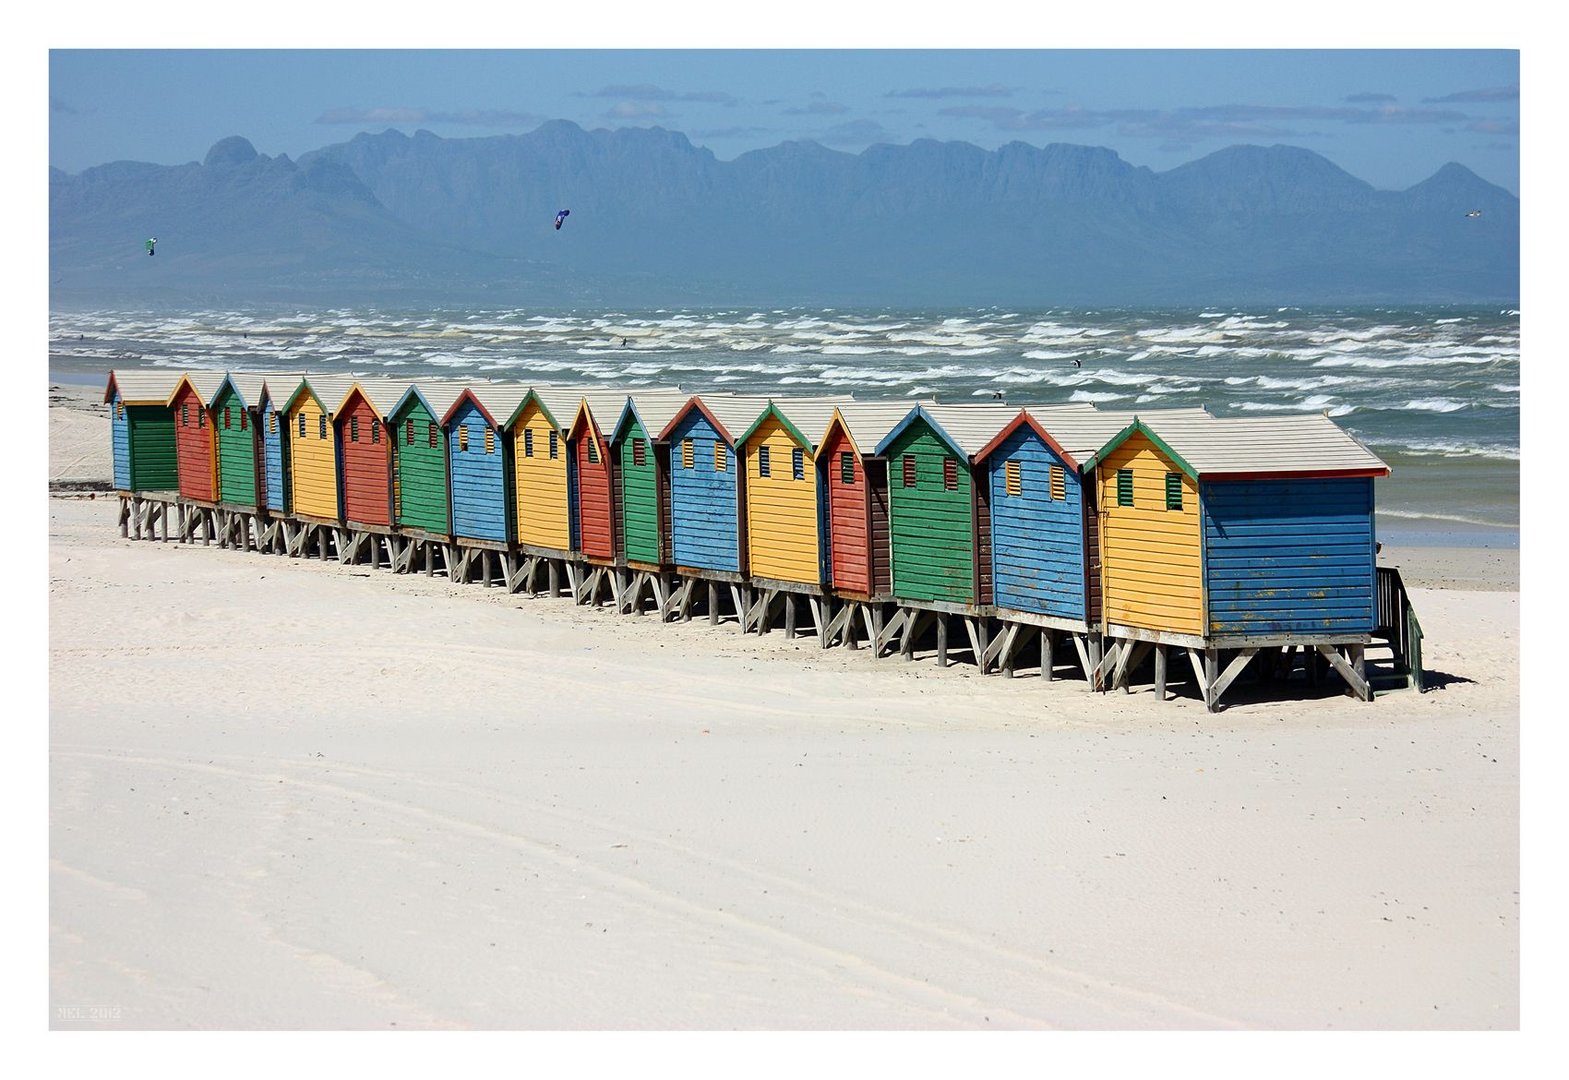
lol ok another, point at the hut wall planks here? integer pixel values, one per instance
(1038, 558)
(480, 494)
(193, 445)
(236, 449)
(595, 536)
(1289, 555)
(541, 481)
(781, 510)
(313, 459)
(275, 442)
(1151, 557)
(639, 495)
(145, 455)
(704, 510)
(931, 537)
(366, 463)
(419, 469)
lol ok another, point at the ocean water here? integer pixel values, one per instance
(1434, 391)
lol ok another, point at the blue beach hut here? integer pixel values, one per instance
(480, 461)
(705, 481)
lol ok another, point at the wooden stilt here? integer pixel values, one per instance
(1048, 647)
(1160, 672)
(942, 640)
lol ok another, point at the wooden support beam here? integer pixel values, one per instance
(1000, 650)
(789, 613)
(1160, 672)
(976, 644)
(942, 639)
(1132, 654)
(819, 624)
(1218, 686)
(912, 627)
(886, 633)
(1048, 651)
(1357, 683)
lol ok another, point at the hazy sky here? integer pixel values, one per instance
(1391, 118)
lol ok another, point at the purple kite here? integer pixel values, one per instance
(561, 215)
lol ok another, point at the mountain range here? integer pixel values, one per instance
(656, 221)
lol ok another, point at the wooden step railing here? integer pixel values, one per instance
(1398, 625)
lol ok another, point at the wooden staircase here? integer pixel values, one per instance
(1394, 657)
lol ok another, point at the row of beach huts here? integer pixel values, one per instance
(1097, 541)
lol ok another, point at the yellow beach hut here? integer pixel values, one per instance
(313, 446)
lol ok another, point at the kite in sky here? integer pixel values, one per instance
(153, 242)
(561, 215)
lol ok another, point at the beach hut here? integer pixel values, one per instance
(537, 430)
(856, 485)
(419, 457)
(592, 473)
(1238, 533)
(479, 462)
(782, 493)
(142, 430)
(642, 477)
(707, 534)
(195, 448)
(365, 451)
(275, 394)
(237, 432)
(313, 448)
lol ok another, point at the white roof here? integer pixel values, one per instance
(205, 382)
(655, 408)
(1083, 432)
(500, 399)
(330, 390)
(1287, 443)
(383, 394)
(144, 387)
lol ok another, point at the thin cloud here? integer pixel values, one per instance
(992, 91)
(1509, 126)
(647, 92)
(349, 114)
(58, 106)
(731, 133)
(819, 108)
(1213, 121)
(1371, 99)
(1491, 94)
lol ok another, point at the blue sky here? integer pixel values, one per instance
(1390, 117)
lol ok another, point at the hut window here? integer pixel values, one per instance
(721, 459)
(1124, 487)
(119, 410)
(554, 448)
(228, 417)
(463, 438)
(762, 461)
(185, 414)
(638, 453)
(201, 418)
(408, 433)
(321, 426)
(375, 430)
(354, 429)
(593, 450)
(686, 453)
(242, 419)
(1059, 484)
(797, 464)
(490, 440)
(950, 474)
(1173, 491)
(302, 425)
(272, 423)
(1013, 480)
(433, 434)
(528, 442)
(846, 467)
(909, 470)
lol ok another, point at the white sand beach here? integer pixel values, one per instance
(294, 794)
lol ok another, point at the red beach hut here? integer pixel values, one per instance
(194, 449)
(365, 450)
